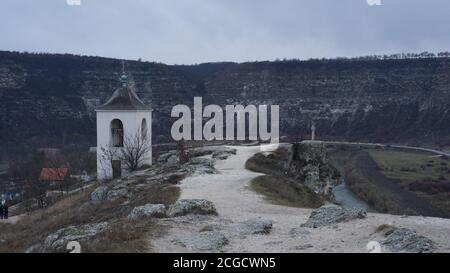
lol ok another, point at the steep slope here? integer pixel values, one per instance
(51, 98)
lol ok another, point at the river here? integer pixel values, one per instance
(348, 199)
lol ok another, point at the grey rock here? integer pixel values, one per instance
(255, 226)
(207, 240)
(406, 240)
(210, 150)
(59, 239)
(311, 166)
(201, 165)
(295, 232)
(148, 211)
(117, 194)
(332, 214)
(191, 206)
(99, 195)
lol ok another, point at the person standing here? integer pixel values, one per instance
(2, 209)
(5, 209)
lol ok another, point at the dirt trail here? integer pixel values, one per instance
(235, 203)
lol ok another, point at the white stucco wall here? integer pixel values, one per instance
(131, 121)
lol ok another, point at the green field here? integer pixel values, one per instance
(423, 174)
(412, 166)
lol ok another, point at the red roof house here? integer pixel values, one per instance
(53, 174)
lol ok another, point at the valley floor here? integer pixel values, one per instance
(236, 203)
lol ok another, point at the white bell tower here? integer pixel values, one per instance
(124, 121)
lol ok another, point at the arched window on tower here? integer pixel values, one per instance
(116, 133)
(144, 129)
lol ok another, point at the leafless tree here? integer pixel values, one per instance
(135, 147)
(132, 154)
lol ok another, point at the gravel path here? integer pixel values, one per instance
(235, 203)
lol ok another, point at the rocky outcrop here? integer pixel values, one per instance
(118, 193)
(99, 195)
(191, 206)
(308, 164)
(255, 226)
(203, 241)
(332, 214)
(148, 211)
(201, 159)
(58, 240)
(302, 167)
(105, 193)
(406, 240)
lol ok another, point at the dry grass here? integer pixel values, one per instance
(123, 236)
(276, 187)
(271, 164)
(411, 166)
(283, 192)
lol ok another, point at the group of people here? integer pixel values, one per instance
(3, 210)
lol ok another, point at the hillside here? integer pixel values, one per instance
(207, 205)
(50, 99)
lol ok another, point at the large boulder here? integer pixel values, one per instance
(201, 165)
(255, 226)
(191, 206)
(406, 240)
(58, 240)
(308, 164)
(148, 211)
(99, 195)
(113, 195)
(332, 214)
(203, 241)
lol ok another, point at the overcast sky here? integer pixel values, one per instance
(196, 31)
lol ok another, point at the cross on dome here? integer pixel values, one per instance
(124, 77)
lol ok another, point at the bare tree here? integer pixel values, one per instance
(135, 147)
(132, 154)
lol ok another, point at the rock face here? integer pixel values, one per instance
(376, 100)
(203, 241)
(308, 163)
(59, 239)
(332, 214)
(191, 206)
(149, 210)
(255, 226)
(406, 240)
(104, 193)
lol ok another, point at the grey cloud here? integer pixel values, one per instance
(194, 31)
